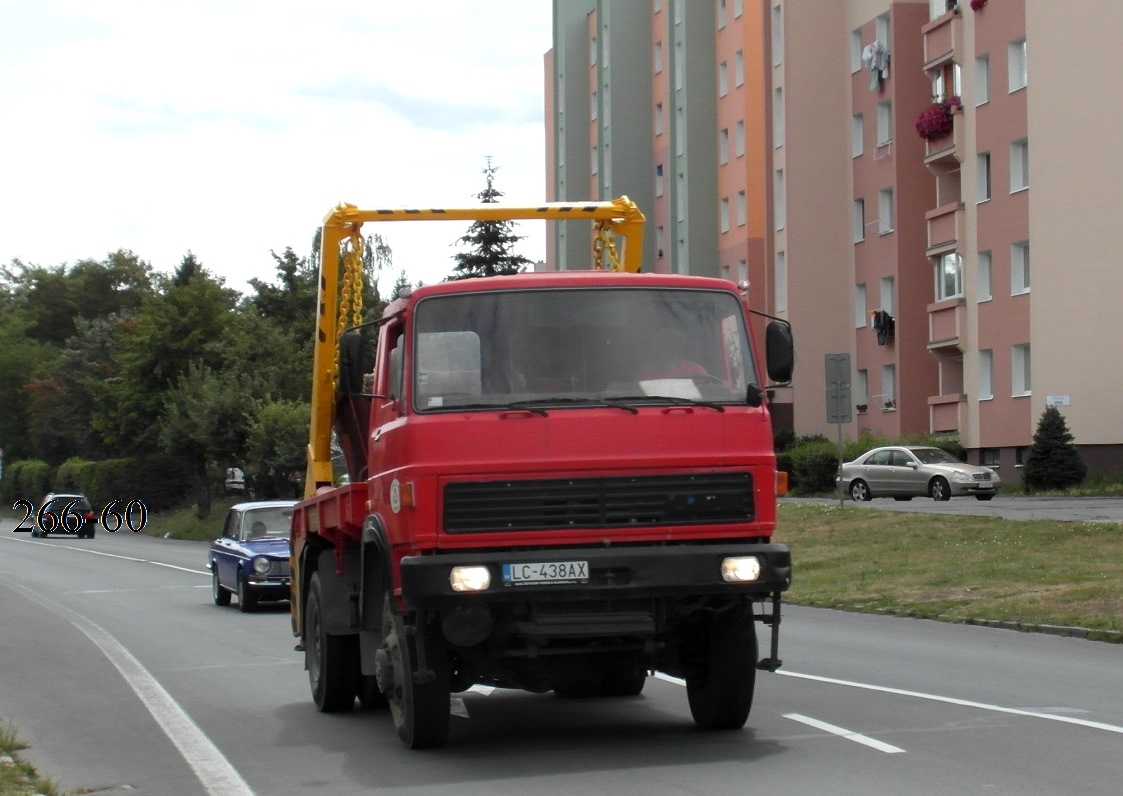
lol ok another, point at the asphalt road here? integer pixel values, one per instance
(125, 677)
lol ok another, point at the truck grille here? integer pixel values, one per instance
(619, 502)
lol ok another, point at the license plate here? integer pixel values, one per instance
(548, 572)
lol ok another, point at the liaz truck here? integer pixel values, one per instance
(559, 481)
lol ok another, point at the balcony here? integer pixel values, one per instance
(943, 38)
(946, 413)
(947, 225)
(947, 323)
(944, 151)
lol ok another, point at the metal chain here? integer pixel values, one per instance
(604, 241)
(351, 291)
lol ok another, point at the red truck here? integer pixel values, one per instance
(553, 481)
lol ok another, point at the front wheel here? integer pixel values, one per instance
(939, 489)
(220, 595)
(247, 600)
(332, 661)
(419, 700)
(720, 687)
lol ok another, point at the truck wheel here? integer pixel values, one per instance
(419, 704)
(370, 697)
(623, 683)
(720, 689)
(332, 661)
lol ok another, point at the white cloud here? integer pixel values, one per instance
(231, 127)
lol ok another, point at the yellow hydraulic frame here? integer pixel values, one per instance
(616, 218)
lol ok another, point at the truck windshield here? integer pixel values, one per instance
(579, 346)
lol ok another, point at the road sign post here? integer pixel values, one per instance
(839, 404)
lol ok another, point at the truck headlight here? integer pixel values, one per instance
(261, 565)
(740, 569)
(469, 578)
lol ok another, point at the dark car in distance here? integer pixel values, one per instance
(251, 559)
(72, 514)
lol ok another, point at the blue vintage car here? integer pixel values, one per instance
(252, 557)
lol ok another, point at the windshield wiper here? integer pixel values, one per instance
(559, 401)
(676, 400)
(495, 407)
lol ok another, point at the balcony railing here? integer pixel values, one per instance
(946, 227)
(943, 37)
(946, 412)
(946, 323)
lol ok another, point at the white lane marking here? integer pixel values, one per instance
(849, 735)
(216, 774)
(113, 555)
(967, 703)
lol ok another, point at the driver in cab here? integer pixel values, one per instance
(666, 360)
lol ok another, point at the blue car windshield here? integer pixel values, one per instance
(267, 523)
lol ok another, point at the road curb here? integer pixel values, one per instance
(1052, 630)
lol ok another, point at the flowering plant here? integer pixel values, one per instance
(936, 120)
(977, 4)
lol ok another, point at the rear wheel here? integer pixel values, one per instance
(332, 661)
(720, 686)
(860, 490)
(419, 700)
(939, 489)
(221, 596)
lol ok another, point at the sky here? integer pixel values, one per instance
(231, 127)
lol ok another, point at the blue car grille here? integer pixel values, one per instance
(278, 569)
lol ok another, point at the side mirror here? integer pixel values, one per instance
(779, 351)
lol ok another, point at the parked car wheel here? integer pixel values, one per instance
(939, 489)
(860, 490)
(221, 596)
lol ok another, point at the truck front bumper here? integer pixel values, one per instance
(612, 572)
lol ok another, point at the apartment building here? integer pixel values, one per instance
(864, 166)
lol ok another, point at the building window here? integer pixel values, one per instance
(721, 18)
(982, 80)
(887, 291)
(857, 144)
(593, 51)
(855, 50)
(725, 214)
(989, 457)
(739, 68)
(779, 199)
(982, 177)
(594, 159)
(778, 37)
(885, 221)
(680, 131)
(723, 79)
(657, 57)
(862, 390)
(949, 276)
(742, 270)
(1017, 64)
(738, 8)
(858, 221)
(659, 180)
(860, 306)
(888, 386)
(1019, 370)
(723, 147)
(984, 276)
(884, 123)
(1019, 165)
(986, 375)
(593, 106)
(680, 196)
(727, 273)
(740, 139)
(659, 118)
(780, 282)
(741, 208)
(660, 236)
(881, 29)
(1019, 268)
(678, 66)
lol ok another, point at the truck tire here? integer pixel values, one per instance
(623, 683)
(720, 687)
(419, 705)
(332, 661)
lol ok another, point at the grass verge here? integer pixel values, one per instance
(17, 776)
(1030, 574)
(184, 524)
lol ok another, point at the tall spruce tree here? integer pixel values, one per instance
(492, 242)
(1053, 461)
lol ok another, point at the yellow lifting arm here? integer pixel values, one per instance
(614, 219)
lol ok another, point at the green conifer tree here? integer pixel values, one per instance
(1053, 461)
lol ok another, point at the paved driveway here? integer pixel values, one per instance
(1092, 509)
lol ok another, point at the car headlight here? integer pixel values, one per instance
(261, 565)
(963, 477)
(740, 569)
(469, 578)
